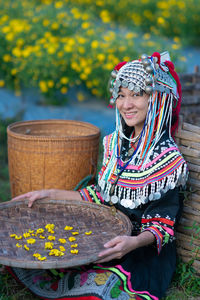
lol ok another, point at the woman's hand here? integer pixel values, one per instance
(55, 194)
(34, 195)
(121, 245)
(117, 248)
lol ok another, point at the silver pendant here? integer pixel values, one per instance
(107, 198)
(157, 195)
(114, 199)
(132, 205)
(126, 202)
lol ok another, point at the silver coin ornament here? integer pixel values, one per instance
(149, 81)
(149, 89)
(107, 198)
(126, 202)
(137, 89)
(144, 56)
(132, 206)
(151, 197)
(149, 69)
(146, 62)
(114, 199)
(157, 195)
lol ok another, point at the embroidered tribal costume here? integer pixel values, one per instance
(143, 182)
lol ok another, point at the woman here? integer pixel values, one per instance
(141, 175)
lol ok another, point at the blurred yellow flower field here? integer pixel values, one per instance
(55, 45)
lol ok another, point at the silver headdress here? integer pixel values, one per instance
(149, 74)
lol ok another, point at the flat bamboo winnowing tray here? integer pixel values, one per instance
(17, 218)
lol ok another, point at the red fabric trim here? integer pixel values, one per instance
(163, 220)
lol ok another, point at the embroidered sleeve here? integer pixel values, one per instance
(91, 194)
(160, 217)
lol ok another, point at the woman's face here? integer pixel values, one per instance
(133, 108)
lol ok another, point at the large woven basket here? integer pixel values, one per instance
(82, 216)
(51, 154)
(188, 237)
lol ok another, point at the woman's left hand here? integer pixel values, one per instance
(117, 248)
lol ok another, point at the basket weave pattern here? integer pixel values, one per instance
(188, 139)
(51, 154)
(17, 218)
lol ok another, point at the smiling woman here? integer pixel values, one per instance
(141, 175)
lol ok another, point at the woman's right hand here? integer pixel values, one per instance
(34, 195)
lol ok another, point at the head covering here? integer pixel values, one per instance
(156, 165)
(154, 75)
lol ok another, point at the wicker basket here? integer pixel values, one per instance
(188, 240)
(83, 216)
(51, 154)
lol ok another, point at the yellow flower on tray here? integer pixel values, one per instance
(62, 241)
(56, 252)
(39, 257)
(26, 235)
(18, 245)
(42, 258)
(68, 228)
(13, 235)
(72, 239)
(48, 245)
(41, 237)
(75, 233)
(39, 230)
(51, 238)
(88, 232)
(50, 227)
(18, 237)
(30, 241)
(26, 248)
(36, 254)
(62, 248)
(74, 245)
(74, 251)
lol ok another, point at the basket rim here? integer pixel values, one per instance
(52, 121)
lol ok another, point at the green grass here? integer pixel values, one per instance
(185, 284)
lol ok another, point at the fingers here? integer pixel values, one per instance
(32, 196)
(113, 242)
(32, 199)
(106, 259)
(21, 197)
(36, 196)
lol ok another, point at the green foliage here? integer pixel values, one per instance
(11, 290)
(4, 174)
(54, 45)
(187, 280)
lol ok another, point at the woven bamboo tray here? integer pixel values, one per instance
(51, 154)
(16, 217)
(188, 241)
